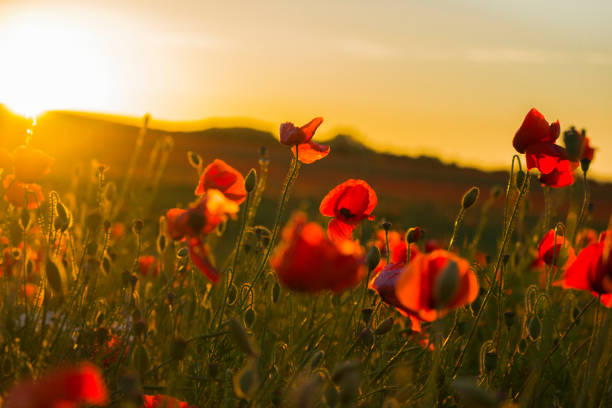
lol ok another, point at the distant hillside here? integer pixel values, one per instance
(410, 189)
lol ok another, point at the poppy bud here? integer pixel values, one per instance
(251, 181)
(178, 348)
(137, 226)
(446, 285)
(384, 326)
(194, 159)
(585, 164)
(520, 179)
(316, 359)
(414, 235)
(366, 315)
(182, 253)
(232, 295)
(249, 317)
(496, 191)
(54, 277)
(509, 318)
(373, 258)
(366, 336)
(573, 143)
(534, 328)
(490, 361)
(470, 197)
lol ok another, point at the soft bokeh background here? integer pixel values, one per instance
(446, 78)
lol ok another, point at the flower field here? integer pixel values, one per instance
(230, 298)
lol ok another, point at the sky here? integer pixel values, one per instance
(447, 78)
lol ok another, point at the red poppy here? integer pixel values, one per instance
(585, 237)
(162, 401)
(398, 248)
(221, 176)
(148, 266)
(434, 283)
(202, 217)
(300, 138)
(17, 192)
(535, 129)
(548, 250)
(63, 388)
(592, 269)
(198, 253)
(561, 176)
(348, 204)
(307, 261)
(385, 285)
(432, 245)
(30, 164)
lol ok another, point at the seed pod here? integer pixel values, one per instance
(470, 197)
(232, 295)
(106, 264)
(384, 327)
(534, 328)
(54, 277)
(249, 317)
(373, 258)
(585, 164)
(182, 253)
(24, 219)
(386, 225)
(251, 181)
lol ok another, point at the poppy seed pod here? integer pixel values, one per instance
(251, 181)
(585, 164)
(373, 258)
(470, 197)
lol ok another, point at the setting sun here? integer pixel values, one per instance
(48, 63)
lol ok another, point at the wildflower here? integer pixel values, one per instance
(148, 266)
(592, 269)
(162, 401)
(432, 284)
(536, 138)
(551, 248)
(201, 218)
(19, 193)
(585, 237)
(30, 164)
(301, 139)
(307, 261)
(63, 388)
(398, 249)
(348, 204)
(221, 176)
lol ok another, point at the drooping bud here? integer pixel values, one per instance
(414, 234)
(534, 328)
(573, 141)
(470, 197)
(520, 179)
(373, 258)
(384, 327)
(446, 285)
(54, 277)
(250, 181)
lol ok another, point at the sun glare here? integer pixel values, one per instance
(50, 64)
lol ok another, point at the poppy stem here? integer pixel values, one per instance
(593, 335)
(505, 239)
(387, 247)
(456, 226)
(585, 201)
(277, 221)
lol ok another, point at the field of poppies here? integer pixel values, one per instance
(106, 301)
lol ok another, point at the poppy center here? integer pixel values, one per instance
(346, 213)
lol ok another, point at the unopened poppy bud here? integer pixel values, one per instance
(366, 336)
(573, 143)
(182, 253)
(54, 278)
(249, 317)
(384, 327)
(446, 285)
(470, 197)
(366, 315)
(414, 235)
(534, 328)
(373, 258)
(509, 318)
(178, 348)
(490, 361)
(137, 226)
(250, 181)
(194, 159)
(496, 191)
(585, 164)
(316, 359)
(232, 295)
(520, 179)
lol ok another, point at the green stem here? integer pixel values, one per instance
(456, 226)
(585, 201)
(502, 248)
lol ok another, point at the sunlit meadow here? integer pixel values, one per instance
(291, 262)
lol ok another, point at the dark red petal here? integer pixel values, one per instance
(338, 230)
(197, 252)
(545, 156)
(534, 129)
(578, 273)
(310, 128)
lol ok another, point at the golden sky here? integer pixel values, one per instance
(449, 78)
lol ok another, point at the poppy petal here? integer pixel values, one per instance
(310, 128)
(197, 252)
(310, 152)
(338, 230)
